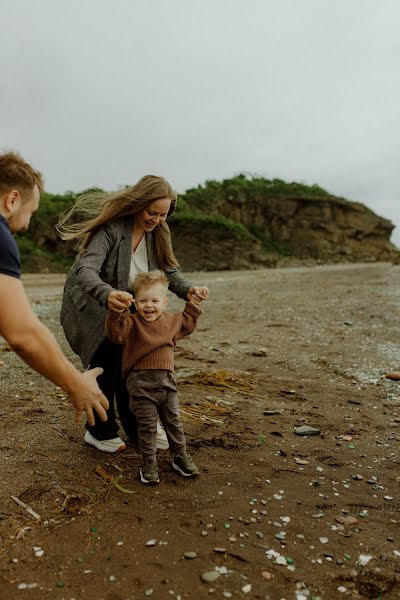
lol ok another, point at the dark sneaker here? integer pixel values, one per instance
(183, 463)
(149, 473)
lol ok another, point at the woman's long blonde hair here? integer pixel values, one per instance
(93, 210)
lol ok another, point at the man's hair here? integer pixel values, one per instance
(150, 278)
(16, 173)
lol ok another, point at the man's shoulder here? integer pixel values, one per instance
(10, 263)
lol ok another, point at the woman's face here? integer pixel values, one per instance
(151, 216)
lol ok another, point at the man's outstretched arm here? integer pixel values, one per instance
(34, 343)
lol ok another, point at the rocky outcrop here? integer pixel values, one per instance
(327, 229)
(209, 247)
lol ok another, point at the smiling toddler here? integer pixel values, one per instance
(149, 337)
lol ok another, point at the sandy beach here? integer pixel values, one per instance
(274, 515)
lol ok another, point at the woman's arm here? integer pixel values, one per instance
(90, 264)
(177, 282)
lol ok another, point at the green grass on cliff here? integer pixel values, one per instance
(243, 185)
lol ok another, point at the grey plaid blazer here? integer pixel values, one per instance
(104, 267)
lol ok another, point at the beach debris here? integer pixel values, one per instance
(112, 480)
(30, 510)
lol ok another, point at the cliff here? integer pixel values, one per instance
(240, 223)
(305, 222)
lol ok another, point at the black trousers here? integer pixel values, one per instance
(108, 356)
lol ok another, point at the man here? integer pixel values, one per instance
(20, 188)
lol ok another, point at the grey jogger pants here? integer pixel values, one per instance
(152, 394)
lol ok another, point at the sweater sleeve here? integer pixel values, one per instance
(118, 326)
(189, 320)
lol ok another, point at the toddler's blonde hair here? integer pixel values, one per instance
(150, 278)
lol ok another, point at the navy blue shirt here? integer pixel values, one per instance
(10, 263)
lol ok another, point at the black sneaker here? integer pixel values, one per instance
(149, 473)
(183, 463)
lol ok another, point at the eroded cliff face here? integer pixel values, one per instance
(209, 248)
(326, 229)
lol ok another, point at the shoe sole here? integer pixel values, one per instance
(195, 474)
(143, 480)
(120, 448)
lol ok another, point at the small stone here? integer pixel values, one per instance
(204, 533)
(246, 588)
(209, 576)
(221, 570)
(324, 540)
(364, 559)
(190, 555)
(220, 550)
(270, 413)
(281, 535)
(112, 578)
(227, 594)
(152, 542)
(394, 376)
(280, 560)
(349, 520)
(307, 430)
(301, 461)
(148, 592)
(285, 519)
(266, 575)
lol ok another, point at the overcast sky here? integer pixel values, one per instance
(100, 93)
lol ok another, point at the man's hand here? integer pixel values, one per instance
(197, 294)
(88, 398)
(34, 343)
(119, 301)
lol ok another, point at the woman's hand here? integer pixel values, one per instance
(119, 301)
(198, 294)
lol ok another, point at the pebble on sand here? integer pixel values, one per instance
(209, 576)
(393, 375)
(307, 430)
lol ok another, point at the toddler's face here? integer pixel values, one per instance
(150, 301)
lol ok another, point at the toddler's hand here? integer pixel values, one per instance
(197, 294)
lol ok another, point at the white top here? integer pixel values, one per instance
(139, 262)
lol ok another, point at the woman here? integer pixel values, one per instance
(124, 233)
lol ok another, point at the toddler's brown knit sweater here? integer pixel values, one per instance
(150, 345)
